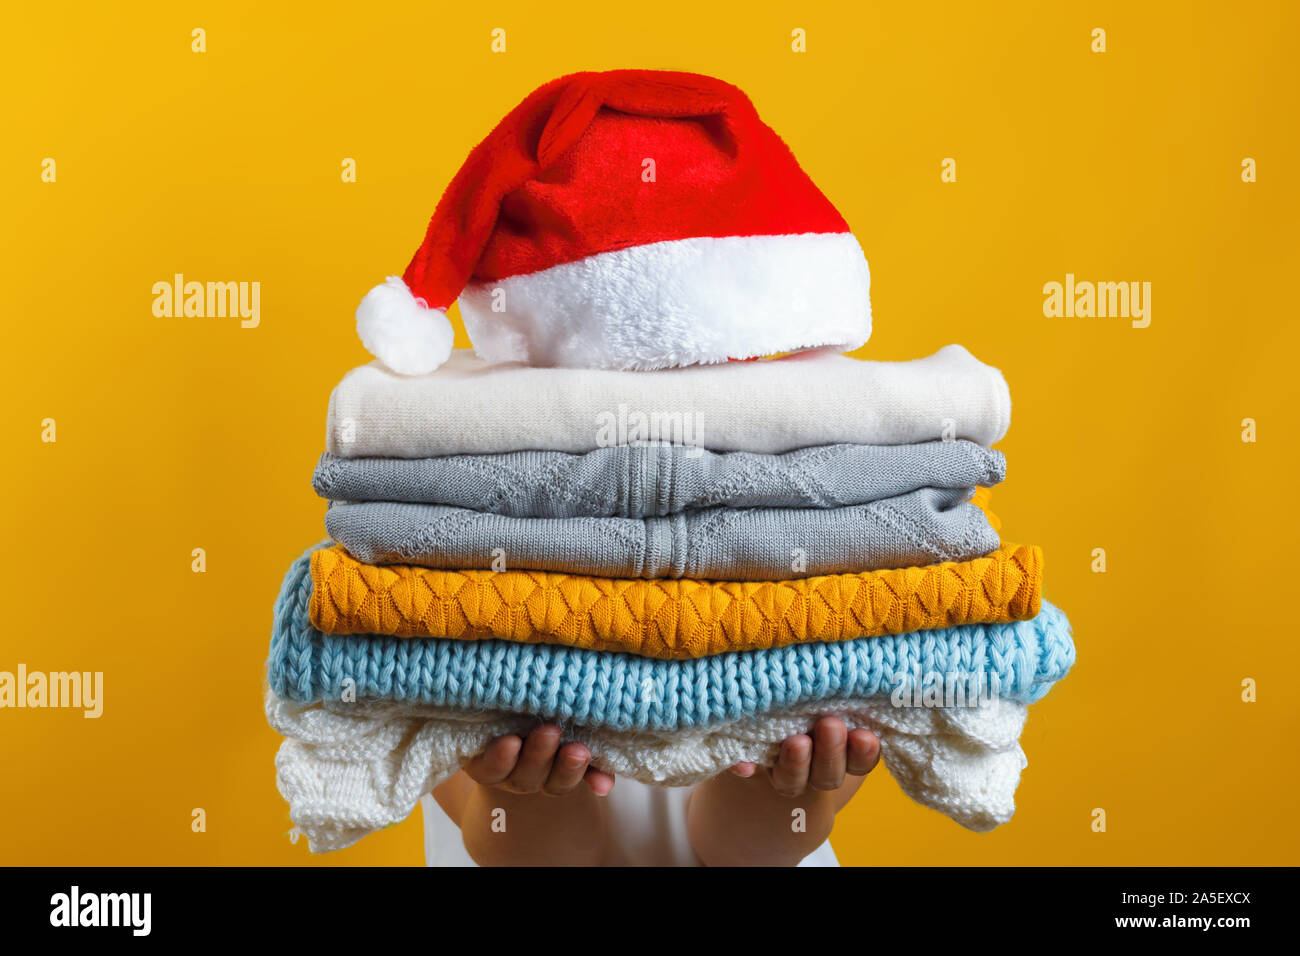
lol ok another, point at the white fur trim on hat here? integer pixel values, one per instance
(678, 302)
(402, 331)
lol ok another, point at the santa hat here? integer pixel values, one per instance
(633, 219)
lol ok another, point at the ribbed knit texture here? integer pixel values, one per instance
(350, 769)
(669, 619)
(749, 544)
(814, 398)
(1018, 661)
(657, 479)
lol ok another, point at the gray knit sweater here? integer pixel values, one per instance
(734, 544)
(641, 481)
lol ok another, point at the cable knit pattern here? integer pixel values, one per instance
(350, 769)
(671, 619)
(733, 544)
(1018, 661)
(657, 478)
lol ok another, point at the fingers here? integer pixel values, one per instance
(537, 764)
(790, 773)
(820, 759)
(863, 752)
(601, 783)
(568, 769)
(494, 765)
(829, 758)
(573, 766)
(534, 764)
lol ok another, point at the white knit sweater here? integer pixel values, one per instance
(350, 769)
(812, 398)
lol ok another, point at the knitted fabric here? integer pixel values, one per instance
(746, 544)
(813, 398)
(670, 619)
(1018, 661)
(350, 769)
(659, 478)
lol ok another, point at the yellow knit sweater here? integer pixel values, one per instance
(672, 619)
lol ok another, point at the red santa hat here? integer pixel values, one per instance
(633, 219)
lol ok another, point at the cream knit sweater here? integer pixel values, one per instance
(350, 769)
(813, 398)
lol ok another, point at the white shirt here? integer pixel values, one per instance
(647, 828)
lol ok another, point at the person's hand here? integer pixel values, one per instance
(538, 764)
(820, 760)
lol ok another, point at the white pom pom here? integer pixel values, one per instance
(401, 331)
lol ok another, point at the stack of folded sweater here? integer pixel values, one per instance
(681, 566)
(677, 608)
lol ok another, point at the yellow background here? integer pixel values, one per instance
(182, 433)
